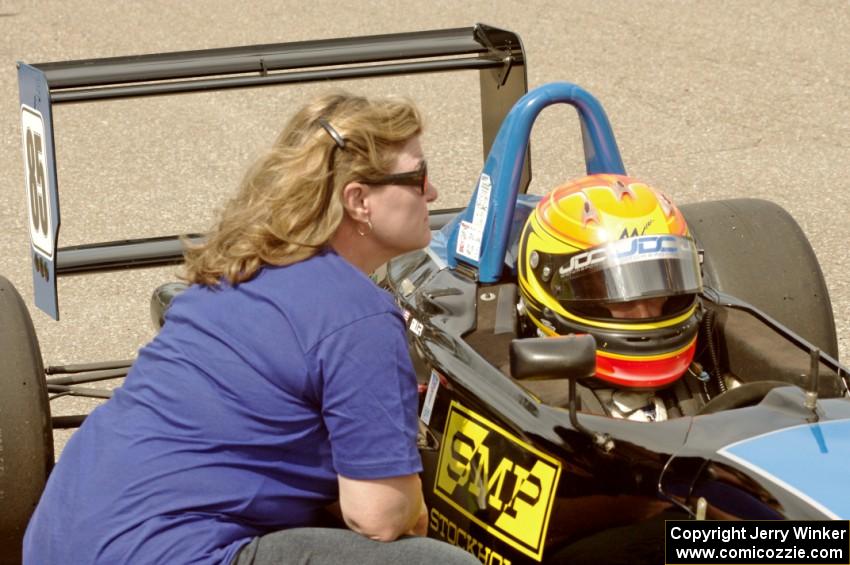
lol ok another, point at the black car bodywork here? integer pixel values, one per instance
(503, 459)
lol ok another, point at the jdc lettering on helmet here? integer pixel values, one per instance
(485, 471)
(641, 248)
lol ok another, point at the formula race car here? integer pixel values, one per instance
(526, 452)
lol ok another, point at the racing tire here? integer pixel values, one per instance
(755, 251)
(26, 435)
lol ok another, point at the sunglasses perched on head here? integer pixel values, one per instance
(417, 178)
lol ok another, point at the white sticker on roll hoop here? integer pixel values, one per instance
(482, 202)
(469, 241)
(471, 234)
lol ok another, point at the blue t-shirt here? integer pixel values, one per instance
(235, 421)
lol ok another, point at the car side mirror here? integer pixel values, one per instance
(560, 357)
(571, 357)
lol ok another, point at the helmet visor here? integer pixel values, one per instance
(630, 269)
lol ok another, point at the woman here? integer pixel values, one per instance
(280, 382)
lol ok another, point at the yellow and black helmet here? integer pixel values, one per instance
(598, 244)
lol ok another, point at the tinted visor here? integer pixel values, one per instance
(629, 269)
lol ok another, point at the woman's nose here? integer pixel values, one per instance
(430, 191)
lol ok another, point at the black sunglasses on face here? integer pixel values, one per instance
(417, 178)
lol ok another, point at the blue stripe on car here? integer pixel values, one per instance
(811, 460)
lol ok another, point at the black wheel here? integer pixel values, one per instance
(755, 251)
(26, 436)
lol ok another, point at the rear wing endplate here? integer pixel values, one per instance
(496, 53)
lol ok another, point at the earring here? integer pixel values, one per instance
(361, 232)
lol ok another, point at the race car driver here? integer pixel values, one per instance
(610, 256)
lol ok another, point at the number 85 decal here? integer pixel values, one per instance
(38, 194)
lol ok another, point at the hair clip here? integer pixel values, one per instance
(340, 141)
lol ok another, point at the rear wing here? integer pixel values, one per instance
(496, 53)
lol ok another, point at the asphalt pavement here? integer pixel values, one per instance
(708, 100)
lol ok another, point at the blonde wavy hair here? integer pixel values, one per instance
(289, 203)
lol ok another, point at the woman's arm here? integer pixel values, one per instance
(383, 509)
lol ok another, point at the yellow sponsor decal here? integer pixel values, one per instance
(501, 483)
(448, 531)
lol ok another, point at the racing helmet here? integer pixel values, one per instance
(607, 239)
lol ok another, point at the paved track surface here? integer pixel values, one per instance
(709, 100)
